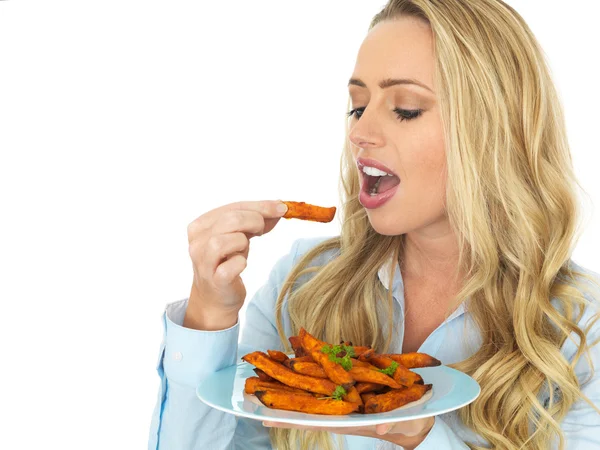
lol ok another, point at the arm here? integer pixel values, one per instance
(186, 356)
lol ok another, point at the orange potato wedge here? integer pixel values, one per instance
(373, 376)
(290, 361)
(277, 355)
(308, 368)
(352, 396)
(401, 375)
(253, 384)
(359, 363)
(335, 372)
(296, 344)
(358, 349)
(363, 387)
(306, 211)
(263, 376)
(395, 398)
(288, 376)
(305, 403)
(365, 398)
(414, 359)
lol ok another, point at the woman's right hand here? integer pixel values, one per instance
(219, 242)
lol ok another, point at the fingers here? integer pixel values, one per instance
(411, 428)
(267, 209)
(219, 250)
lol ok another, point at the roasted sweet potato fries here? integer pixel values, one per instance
(305, 211)
(336, 379)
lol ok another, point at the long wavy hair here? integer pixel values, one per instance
(511, 199)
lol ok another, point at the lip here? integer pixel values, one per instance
(360, 162)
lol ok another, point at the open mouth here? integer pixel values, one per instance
(374, 185)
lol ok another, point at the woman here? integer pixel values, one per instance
(462, 253)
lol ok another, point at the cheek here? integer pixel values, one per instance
(424, 157)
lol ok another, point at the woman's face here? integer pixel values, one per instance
(412, 149)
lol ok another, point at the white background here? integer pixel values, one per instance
(123, 121)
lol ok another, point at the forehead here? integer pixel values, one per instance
(398, 48)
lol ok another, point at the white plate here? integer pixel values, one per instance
(224, 390)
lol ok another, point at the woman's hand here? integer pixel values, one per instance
(407, 434)
(219, 242)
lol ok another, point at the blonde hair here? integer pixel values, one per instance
(510, 199)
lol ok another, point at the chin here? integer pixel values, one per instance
(386, 226)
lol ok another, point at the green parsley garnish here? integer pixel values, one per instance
(337, 394)
(334, 350)
(389, 370)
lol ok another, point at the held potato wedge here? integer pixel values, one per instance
(288, 376)
(306, 211)
(395, 398)
(305, 403)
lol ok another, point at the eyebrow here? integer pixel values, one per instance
(389, 82)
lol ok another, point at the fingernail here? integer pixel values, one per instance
(266, 424)
(282, 208)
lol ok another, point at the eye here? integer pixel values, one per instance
(403, 114)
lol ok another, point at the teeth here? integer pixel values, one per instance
(372, 171)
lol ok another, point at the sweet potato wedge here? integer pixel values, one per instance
(395, 398)
(363, 387)
(306, 211)
(359, 363)
(414, 359)
(288, 376)
(353, 396)
(308, 368)
(305, 403)
(373, 376)
(277, 355)
(263, 376)
(335, 372)
(296, 344)
(253, 384)
(365, 398)
(401, 375)
(358, 349)
(290, 361)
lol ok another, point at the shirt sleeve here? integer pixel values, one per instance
(180, 419)
(581, 425)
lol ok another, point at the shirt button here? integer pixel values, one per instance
(177, 356)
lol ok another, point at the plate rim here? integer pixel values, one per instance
(348, 421)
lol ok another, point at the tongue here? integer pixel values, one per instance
(388, 183)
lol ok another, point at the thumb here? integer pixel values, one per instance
(383, 428)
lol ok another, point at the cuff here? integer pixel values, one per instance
(191, 355)
(441, 436)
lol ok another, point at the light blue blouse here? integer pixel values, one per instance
(181, 421)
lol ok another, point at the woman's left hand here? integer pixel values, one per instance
(407, 434)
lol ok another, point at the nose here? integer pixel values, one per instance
(366, 133)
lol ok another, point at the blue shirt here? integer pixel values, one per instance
(182, 421)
